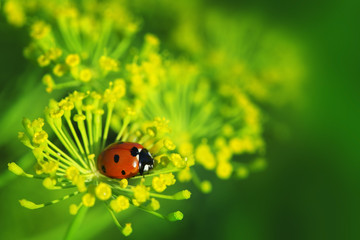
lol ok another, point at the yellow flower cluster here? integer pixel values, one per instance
(198, 111)
(77, 122)
(160, 182)
(77, 43)
(221, 125)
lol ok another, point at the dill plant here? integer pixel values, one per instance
(118, 83)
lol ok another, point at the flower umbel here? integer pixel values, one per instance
(81, 124)
(214, 124)
(76, 42)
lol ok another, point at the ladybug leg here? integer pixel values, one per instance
(145, 166)
(141, 168)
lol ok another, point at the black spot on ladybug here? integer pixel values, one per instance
(123, 172)
(134, 151)
(103, 168)
(116, 158)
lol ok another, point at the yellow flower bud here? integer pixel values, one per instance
(85, 75)
(14, 168)
(72, 60)
(88, 200)
(103, 191)
(127, 229)
(73, 209)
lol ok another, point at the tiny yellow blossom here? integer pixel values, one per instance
(50, 167)
(103, 191)
(141, 193)
(88, 200)
(43, 60)
(155, 205)
(220, 142)
(184, 194)
(123, 183)
(38, 124)
(108, 64)
(152, 39)
(224, 154)
(85, 75)
(242, 172)
(59, 69)
(30, 205)
(56, 114)
(14, 13)
(72, 60)
(16, 169)
(184, 175)
(228, 130)
(206, 187)
(39, 30)
(158, 184)
(169, 144)
(205, 157)
(224, 170)
(177, 160)
(186, 148)
(120, 203)
(72, 173)
(49, 82)
(135, 202)
(176, 216)
(73, 209)
(80, 183)
(55, 53)
(127, 229)
(40, 137)
(49, 183)
(168, 178)
(66, 105)
(236, 145)
(24, 139)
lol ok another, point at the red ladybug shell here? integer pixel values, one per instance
(116, 160)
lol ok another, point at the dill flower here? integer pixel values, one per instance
(213, 123)
(265, 62)
(78, 43)
(81, 124)
(14, 13)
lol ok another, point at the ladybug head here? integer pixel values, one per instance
(146, 162)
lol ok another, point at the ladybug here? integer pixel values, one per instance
(124, 160)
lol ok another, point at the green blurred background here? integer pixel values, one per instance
(310, 189)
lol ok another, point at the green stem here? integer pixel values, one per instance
(72, 129)
(97, 132)
(107, 123)
(75, 224)
(114, 218)
(125, 124)
(122, 47)
(67, 84)
(153, 213)
(89, 121)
